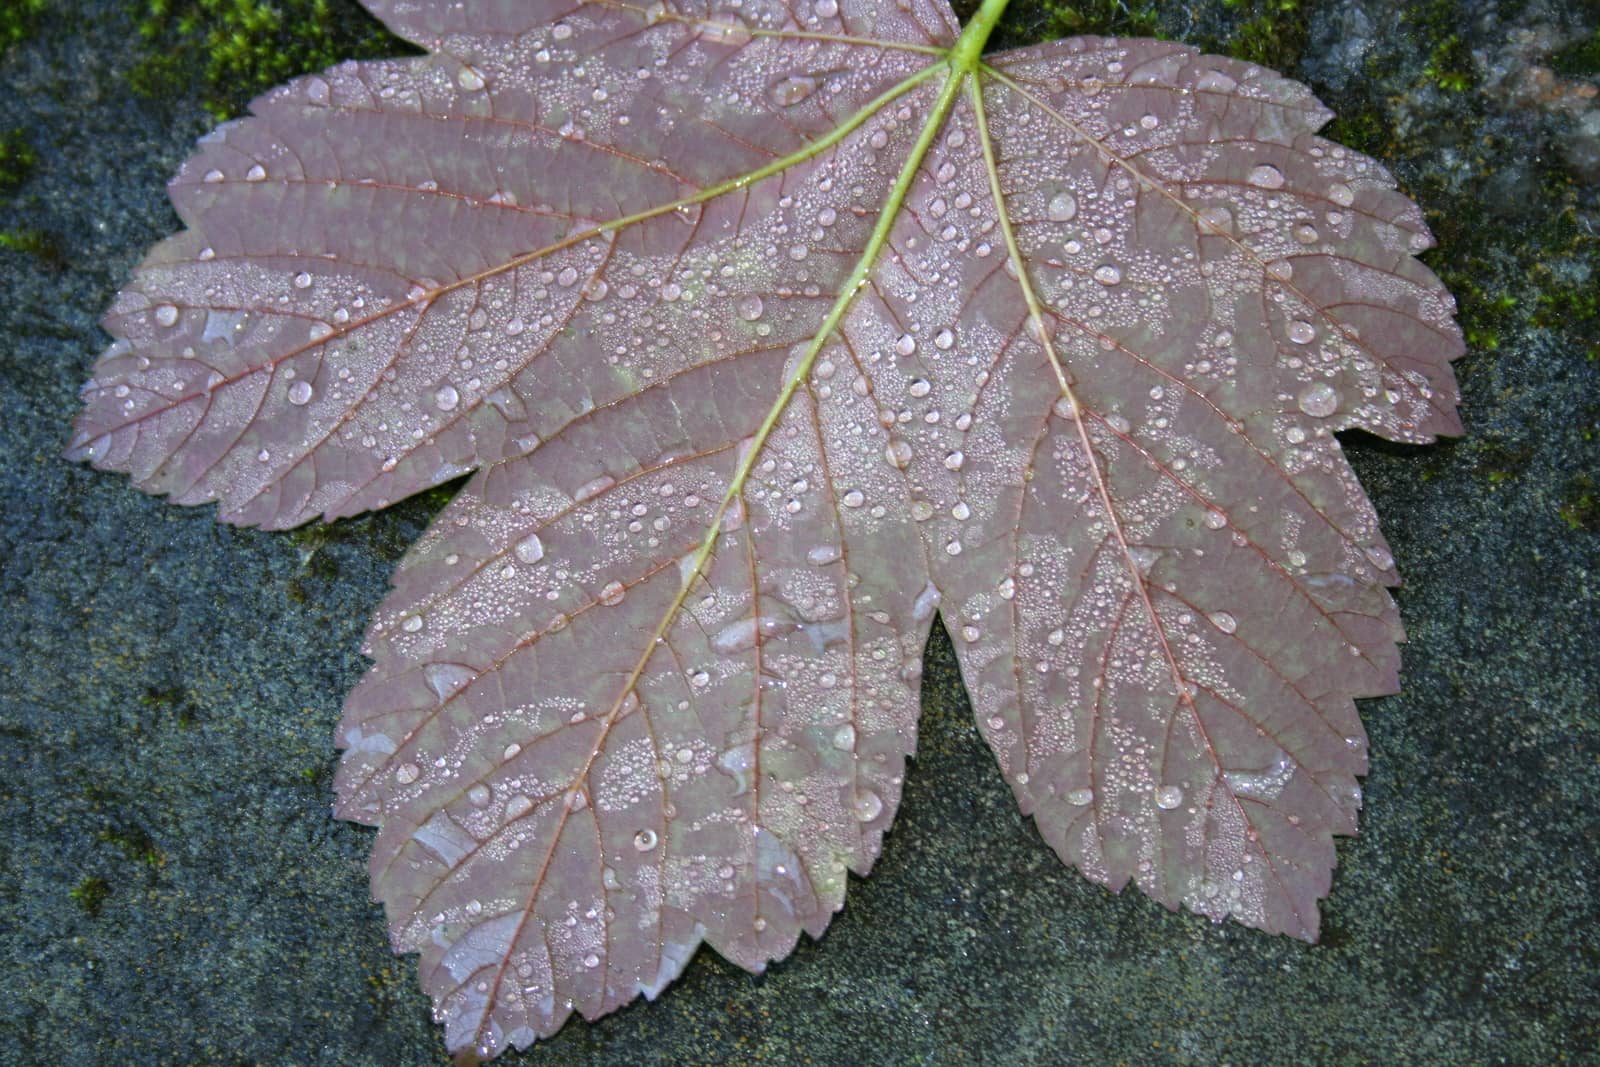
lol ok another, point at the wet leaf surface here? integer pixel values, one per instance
(765, 337)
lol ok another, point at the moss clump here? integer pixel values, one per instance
(16, 159)
(1580, 504)
(1112, 18)
(243, 47)
(90, 895)
(1272, 33)
(18, 19)
(1581, 59)
(1450, 65)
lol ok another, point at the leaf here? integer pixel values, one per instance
(766, 335)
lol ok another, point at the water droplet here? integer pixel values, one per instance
(302, 280)
(407, 773)
(970, 633)
(943, 340)
(645, 840)
(749, 307)
(1319, 400)
(1080, 797)
(898, 453)
(1341, 194)
(256, 173)
(787, 92)
(853, 499)
(845, 737)
(868, 805)
(1215, 520)
(469, 79)
(530, 549)
(954, 459)
(412, 624)
(1062, 207)
(591, 961)
(1280, 269)
(1107, 274)
(446, 397)
(1302, 333)
(919, 387)
(825, 9)
(699, 679)
(613, 593)
(166, 315)
(1216, 220)
(905, 344)
(1380, 557)
(1223, 621)
(727, 28)
(560, 31)
(300, 393)
(568, 277)
(1266, 176)
(479, 796)
(1306, 234)
(1168, 797)
(823, 555)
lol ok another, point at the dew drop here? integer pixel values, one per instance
(256, 173)
(479, 796)
(868, 805)
(953, 460)
(446, 397)
(1302, 333)
(727, 28)
(1223, 621)
(970, 633)
(1062, 207)
(853, 499)
(469, 79)
(1168, 797)
(1216, 220)
(787, 92)
(749, 307)
(826, 9)
(898, 453)
(300, 393)
(613, 593)
(905, 344)
(302, 280)
(1215, 520)
(530, 549)
(1080, 797)
(943, 340)
(644, 841)
(407, 773)
(844, 738)
(412, 624)
(1319, 400)
(1266, 176)
(1107, 274)
(1341, 194)
(166, 315)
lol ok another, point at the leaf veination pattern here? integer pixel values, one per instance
(768, 334)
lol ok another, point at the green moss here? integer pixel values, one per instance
(16, 159)
(1450, 65)
(1272, 33)
(241, 48)
(42, 246)
(1114, 18)
(1581, 59)
(134, 843)
(1580, 504)
(90, 894)
(18, 19)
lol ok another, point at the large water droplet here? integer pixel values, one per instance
(868, 805)
(446, 397)
(749, 307)
(1062, 207)
(787, 92)
(530, 549)
(1266, 176)
(1319, 400)
(166, 315)
(469, 79)
(1302, 333)
(645, 840)
(1168, 797)
(1223, 621)
(300, 393)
